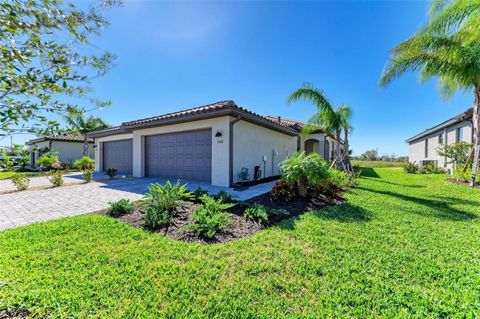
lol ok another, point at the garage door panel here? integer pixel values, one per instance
(185, 155)
(118, 155)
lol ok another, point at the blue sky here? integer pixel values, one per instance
(175, 55)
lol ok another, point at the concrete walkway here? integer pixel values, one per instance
(22, 208)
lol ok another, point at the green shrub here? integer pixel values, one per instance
(162, 201)
(111, 172)
(20, 181)
(283, 191)
(84, 164)
(120, 207)
(199, 192)
(224, 197)
(48, 161)
(278, 212)
(87, 176)
(210, 217)
(457, 153)
(257, 212)
(342, 180)
(304, 171)
(411, 168)
(24, 161)
(7, 162)
(156, 218)
(461, 176)
(431, 169)
(56, 178)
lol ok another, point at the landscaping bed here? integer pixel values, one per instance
(466, 184)
(239, 227)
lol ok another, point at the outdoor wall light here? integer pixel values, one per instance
(218, 134)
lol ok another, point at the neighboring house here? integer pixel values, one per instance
(211, 143)
(423, 147)
(69, 147)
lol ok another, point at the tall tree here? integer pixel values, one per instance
(330, 119)
(347, 130)
(448, 48)
(44, 59)
(79, 123)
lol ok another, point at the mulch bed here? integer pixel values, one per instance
(466, 184)
(14, 314)
(240, 227)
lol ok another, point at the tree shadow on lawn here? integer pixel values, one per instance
(368, 172)
(345, 213)
(442, 209)
(392, 183)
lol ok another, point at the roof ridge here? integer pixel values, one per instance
(223, 103)
(439, 126)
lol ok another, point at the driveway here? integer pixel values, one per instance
(27, 207)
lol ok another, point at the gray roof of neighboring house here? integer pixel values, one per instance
(64, 137)
(222, 108)
(452, 121)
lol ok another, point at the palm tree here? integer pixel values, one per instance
(330, 119)
(448, 48)
(347, 129)
(79, 123)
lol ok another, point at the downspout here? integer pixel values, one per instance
(230, 149)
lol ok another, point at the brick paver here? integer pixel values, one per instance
(22, 208)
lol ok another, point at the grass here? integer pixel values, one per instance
(400, 246)
(9, 174)
(377, 164)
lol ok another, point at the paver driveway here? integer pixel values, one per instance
(21, 208)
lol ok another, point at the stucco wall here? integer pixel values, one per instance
(99, 147)
(68, 152)
(220, 146)
(320, 148)
(251, 142)
(417, 148)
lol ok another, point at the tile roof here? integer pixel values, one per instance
(296, 125)
(66, 137)
(108, 131)
(222, 105)
(222, 108)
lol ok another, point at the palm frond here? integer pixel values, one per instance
(308, 92)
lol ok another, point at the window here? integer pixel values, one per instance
(426, 148)
(440, 139)
(459, 134)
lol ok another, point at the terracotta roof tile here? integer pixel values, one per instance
(227, 107)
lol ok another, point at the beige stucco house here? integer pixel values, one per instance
(212, 143)
(69, 147)
(423, 147)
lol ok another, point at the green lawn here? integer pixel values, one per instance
(9, 174)
(377, 164)
(401, 246)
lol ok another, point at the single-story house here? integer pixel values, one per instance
(68, 145)
(214, 143)
(423, 147)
